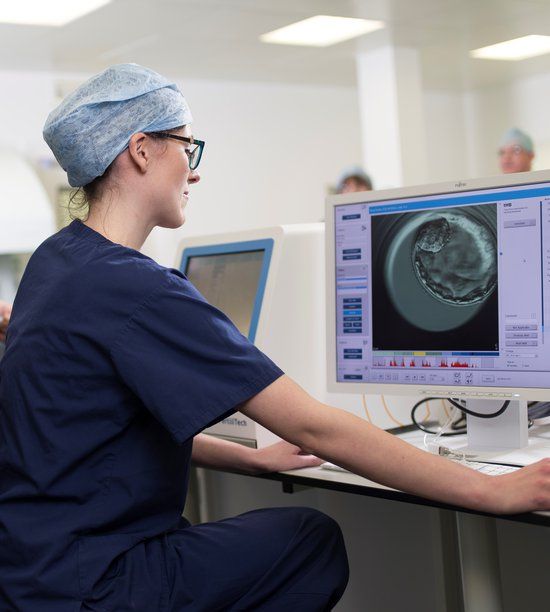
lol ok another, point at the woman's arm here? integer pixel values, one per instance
(338, 436)
(212, 452)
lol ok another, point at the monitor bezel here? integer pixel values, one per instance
(264, 245)
(461, 391)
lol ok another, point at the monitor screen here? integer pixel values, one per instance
(230, 282)
(451, 289)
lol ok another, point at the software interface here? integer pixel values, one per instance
(229, 282)
(448, 289)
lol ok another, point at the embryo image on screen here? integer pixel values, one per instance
(434, 279)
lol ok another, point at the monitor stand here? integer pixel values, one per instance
(506, 432)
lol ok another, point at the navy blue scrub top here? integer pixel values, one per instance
(113, 363)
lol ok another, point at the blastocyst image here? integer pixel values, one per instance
(454, 256)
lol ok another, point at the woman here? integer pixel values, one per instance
(114, 365)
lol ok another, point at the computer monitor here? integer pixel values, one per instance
(444, 290)
(232, 277)
(270, 283)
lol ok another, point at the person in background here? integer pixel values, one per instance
(516, 152)
(353, 179)
(5, 313)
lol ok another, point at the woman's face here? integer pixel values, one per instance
(172, 180)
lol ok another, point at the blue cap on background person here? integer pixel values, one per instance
(352, 179)
(94, 123)
(515, 136)
(515, 152)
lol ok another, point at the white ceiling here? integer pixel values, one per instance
(218, 39)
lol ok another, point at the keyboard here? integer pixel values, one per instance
(492, 469)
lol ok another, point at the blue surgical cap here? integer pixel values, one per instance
(513, 136)
(355, 172)
(94, 123)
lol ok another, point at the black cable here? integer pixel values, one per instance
(480, 415)
(460, 422)
(425, 429)
(538, 410)
(457, 432)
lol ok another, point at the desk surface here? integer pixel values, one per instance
(351, 483)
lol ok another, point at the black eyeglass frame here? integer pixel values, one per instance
(194, 157)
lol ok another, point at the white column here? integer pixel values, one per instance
(392, 116)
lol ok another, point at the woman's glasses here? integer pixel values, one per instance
(194, 153)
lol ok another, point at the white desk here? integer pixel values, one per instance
(471, 535)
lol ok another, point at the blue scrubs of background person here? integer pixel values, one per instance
(113, 366)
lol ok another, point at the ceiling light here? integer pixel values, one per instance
(515, 49)
(321, 31)
(47, 12)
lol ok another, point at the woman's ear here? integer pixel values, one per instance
(139, 149)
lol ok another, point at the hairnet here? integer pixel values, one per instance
(355, 172)
(94, 123)
(513, 136)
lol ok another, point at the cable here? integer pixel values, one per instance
(460, 423)
(456, 424)
(425, 429)
(480, 415)
(445, 408)
(365, 408)
(428, 412)
(390, 414)
(432, 445)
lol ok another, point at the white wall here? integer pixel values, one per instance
(530, 112)
(489, 112)
(446, 137)
(26, 100)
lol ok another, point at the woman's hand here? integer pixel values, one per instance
(283, 456)
(5, 313)
(524, 490)
(212, 452)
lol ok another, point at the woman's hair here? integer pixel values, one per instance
(82, 198)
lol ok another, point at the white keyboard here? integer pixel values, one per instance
(493, 469)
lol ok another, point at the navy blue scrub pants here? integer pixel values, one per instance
(284, 559)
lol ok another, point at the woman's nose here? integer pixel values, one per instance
(194, 176)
